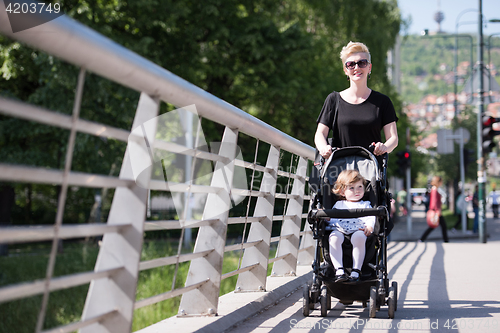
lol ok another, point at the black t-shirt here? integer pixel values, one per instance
(358, 124)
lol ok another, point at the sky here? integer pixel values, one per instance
(465, 11)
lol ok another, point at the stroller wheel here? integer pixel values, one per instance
(395, 287)
(305, 301)
(372, 310)
(323, 300)
(391, 303)
(380, 301)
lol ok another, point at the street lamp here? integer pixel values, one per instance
(457, 24)
(495, 20)
(456, 36)
(455, 102)
(481, 175)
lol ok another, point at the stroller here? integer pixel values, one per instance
(373, 288)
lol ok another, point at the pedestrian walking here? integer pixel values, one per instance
(494, 200)
(460, 205)
(435, 205)
(475, 208)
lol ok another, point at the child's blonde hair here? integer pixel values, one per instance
(346, 178)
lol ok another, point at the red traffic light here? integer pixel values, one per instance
(489, 133)
(406, 155)
(488, 121)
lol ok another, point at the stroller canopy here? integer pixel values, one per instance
(351, 158)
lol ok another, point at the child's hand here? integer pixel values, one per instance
(367, 231)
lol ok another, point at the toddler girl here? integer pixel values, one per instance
(350, 187)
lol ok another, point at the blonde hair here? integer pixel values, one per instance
(436, 181)
(346, 178)
(354, 47)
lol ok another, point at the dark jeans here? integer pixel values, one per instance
(476, 220)
(442, 224)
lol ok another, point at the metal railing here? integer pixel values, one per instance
(111, 298)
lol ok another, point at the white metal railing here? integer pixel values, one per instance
(111, 298)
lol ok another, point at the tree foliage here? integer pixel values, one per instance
(277, 60)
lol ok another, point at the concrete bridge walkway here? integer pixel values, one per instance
(443, 287)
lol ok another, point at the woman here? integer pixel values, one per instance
(435, 204)
(356, 115)
(362, 112)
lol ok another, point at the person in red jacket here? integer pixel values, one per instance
(435, 204)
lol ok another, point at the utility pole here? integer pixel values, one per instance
(408, 187)
(481, 173)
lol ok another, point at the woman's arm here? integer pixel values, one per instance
(391, 136)
(320, 140)
(391, 142)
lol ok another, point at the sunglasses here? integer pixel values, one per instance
(361, 64)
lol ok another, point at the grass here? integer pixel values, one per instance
(65, 306)
(29, 263)
(451, 220)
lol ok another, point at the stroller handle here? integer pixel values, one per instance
(349, 213)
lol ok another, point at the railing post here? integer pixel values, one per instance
(121, 249)
(291, 225)
(204, 301)
(306, 248)
(255, 279)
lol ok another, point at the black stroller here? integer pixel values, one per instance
(373, 289)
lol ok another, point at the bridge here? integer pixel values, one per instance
(261, 301)
(111, 299)
(436, 293)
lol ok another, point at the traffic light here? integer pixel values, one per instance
(407, 158)
(403, 162)
(489, 133)
(469, 157)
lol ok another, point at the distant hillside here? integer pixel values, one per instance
(427, 64)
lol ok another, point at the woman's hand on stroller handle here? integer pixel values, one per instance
(378, 148)
(325, 151)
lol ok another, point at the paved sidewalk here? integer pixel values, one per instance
(434, 293)
(419, 225)
(438, 290)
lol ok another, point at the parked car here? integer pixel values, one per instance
(418, 195)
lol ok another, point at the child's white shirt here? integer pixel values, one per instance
(349, 225)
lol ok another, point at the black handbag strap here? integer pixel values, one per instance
(319, 160)
(336, 98)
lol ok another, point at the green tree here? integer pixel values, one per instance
(275, 60)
